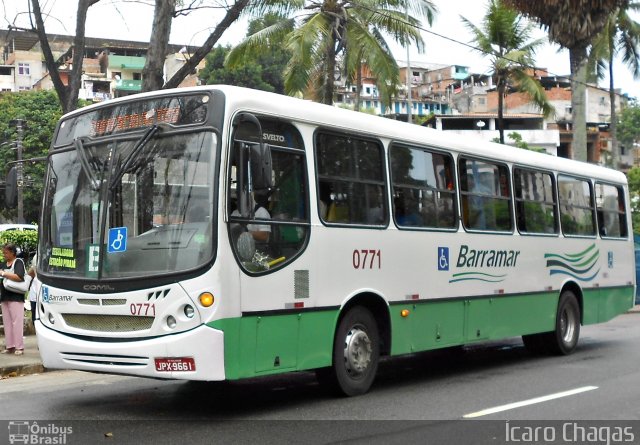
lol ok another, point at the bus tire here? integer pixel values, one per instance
(564, 339)
(356, 352)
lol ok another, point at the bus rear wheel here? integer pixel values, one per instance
(564, 339)
(356, 353)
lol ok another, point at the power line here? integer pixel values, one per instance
(475, 48)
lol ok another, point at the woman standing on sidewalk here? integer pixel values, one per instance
(12, 302)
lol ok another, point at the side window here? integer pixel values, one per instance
(269, 226)
(536, 210)
(423, 188)
(484, 195)
(351, 184)
(576, 206)
(612, 217)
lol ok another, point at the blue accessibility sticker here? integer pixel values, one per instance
(117, 240)
(443, 258)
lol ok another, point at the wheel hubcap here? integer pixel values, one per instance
(568, 325)
(357, 351)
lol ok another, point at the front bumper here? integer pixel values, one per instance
(136, 357)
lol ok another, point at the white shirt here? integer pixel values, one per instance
(261, 213)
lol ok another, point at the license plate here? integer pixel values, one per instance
(171, 364)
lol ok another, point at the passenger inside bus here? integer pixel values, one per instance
(375, 210)
(407, 213)
(324, 192)
(259, 232)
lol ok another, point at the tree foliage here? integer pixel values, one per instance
(328, 30)
(262, 70)
(621, 36)
(26, 240)
(629, 125)
(41, 111)
(573, 24)
(249, 75)
(633, 176)
(506, 39)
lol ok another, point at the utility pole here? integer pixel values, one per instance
(19, 123)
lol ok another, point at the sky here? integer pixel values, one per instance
(131, 20)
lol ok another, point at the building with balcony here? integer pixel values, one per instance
(477, 94)
(111, 68)
(483, 126)
(422, 104)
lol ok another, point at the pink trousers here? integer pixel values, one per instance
(13, 320)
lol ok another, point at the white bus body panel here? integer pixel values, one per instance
(190, 338)
(204, 344)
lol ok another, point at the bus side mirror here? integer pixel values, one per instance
(261, 167)
(11, 188)
(248, 131)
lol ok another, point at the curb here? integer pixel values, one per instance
(21, 370)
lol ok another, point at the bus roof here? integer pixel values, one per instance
(319, 114)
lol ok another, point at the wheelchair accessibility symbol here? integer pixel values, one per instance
(117, 240)
(443, 258)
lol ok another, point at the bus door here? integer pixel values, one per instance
(269, 228)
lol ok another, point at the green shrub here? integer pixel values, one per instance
(26, 240)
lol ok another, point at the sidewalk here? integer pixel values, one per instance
(30, 362)
(15, 365)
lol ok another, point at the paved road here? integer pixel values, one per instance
(438, 390)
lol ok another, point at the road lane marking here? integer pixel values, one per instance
(558, 395)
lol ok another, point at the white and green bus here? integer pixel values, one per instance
(221, 233)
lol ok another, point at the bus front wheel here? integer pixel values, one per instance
(356, 352)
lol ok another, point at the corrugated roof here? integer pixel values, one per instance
(24, 41)
(21, 41)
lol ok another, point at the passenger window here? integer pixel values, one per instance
(576, 206)
(351, 184)
(484, 195)
(423, 188)
(612, 217)
(536, 210)
(271, 227)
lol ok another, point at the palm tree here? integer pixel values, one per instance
(621, 36)
(573, 24)
(506, 39)
(330, 28)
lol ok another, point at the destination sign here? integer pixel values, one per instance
(134, 115)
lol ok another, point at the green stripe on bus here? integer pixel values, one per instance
(602, 305)
(269, 344)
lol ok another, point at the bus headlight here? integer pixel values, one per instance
(52, 319)
(171, 322)
(206, 299)
(189, 311)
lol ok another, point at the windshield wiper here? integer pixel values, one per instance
(130, 160)
(84, 163)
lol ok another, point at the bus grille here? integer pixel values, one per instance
(108, 323)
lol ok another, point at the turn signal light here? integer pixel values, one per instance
(206, 299)
(404, 312)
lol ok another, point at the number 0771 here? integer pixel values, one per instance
(367, 259)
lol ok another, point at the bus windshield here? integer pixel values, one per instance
(130, 207)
